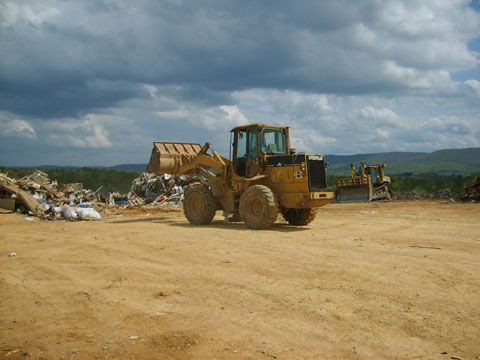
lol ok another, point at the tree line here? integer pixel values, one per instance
(120, 180)
(91, 178)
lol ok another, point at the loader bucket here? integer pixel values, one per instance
(353, 189)
(167, 157)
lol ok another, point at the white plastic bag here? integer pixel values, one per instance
(69, 212)
(87, 213)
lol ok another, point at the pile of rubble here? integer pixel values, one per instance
(161, 189)
(472, 191)
(38, 195)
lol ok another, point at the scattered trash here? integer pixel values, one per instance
(88, 213)
(12, 254)
(425, 247)
(28, 219)
(133, 338)
(69, 212)
(157, 314)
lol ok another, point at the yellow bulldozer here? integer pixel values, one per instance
(369, 184)
(262, 178)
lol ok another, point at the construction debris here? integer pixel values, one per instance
(442, 194)
(472, 191)
(161, 189)
(13, 192)
(36, 194)
(40, 196)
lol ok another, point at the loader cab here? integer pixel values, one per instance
(253, 143)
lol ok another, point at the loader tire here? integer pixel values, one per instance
(258, 207)
(300, 216)
(199, 205)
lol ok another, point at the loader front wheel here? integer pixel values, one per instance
(300, 216)
(199, 205)
(258, 207)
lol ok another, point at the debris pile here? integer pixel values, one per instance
(442, 194)
(472, 191)
(38, 195)
(161, 189)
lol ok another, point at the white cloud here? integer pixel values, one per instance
(376, 117)
(17, 128)
(475, 86)
(173, 114)
(347, 77)
(14, 13)
(234, 116)
(81, 133)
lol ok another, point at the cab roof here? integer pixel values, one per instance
(249, 126)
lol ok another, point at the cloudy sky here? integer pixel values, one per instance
(95, 82)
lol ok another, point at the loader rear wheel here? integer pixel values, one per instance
(300, 216)
(258, 207)
(199, 205)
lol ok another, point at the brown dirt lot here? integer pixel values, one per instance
(398, 280)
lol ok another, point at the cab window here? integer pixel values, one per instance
(273, 141)
(252, 144)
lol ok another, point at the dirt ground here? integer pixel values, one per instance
(398, 280)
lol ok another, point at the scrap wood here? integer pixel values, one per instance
(4, 179)
(24, 197)
(38, 180)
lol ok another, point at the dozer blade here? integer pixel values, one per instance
(167, 157)
(353, 193)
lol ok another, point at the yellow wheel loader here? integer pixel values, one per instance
(370, 184)
(262, 178)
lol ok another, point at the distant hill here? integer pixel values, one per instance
(445, 162)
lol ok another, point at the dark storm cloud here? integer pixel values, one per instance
(68, 58)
